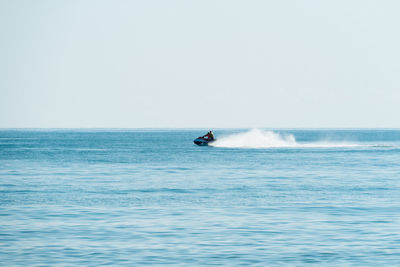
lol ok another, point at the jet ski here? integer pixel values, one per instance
(205, 139)
(201, 141)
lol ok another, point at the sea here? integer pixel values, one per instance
(254, 197)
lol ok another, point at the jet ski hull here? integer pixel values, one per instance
(202, 141)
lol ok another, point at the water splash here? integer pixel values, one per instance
(257, 138)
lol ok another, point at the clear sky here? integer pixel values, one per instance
(202, 64)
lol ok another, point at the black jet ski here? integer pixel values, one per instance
(205, 139)
(201, 141)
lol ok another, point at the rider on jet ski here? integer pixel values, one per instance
(209, 136)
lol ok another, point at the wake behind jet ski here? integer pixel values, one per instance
(205, 139)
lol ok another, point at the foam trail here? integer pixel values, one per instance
(256, 138)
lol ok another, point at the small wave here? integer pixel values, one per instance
(257, 138)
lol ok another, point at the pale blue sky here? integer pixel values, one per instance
(206, 64)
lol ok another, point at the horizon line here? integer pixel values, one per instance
(198, 128)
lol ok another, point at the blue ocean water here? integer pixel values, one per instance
(148, 197)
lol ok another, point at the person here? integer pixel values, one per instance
(209, 136)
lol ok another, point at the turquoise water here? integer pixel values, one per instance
(147, 197)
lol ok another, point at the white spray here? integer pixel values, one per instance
(256, 138)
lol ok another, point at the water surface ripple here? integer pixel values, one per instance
(148, 197)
